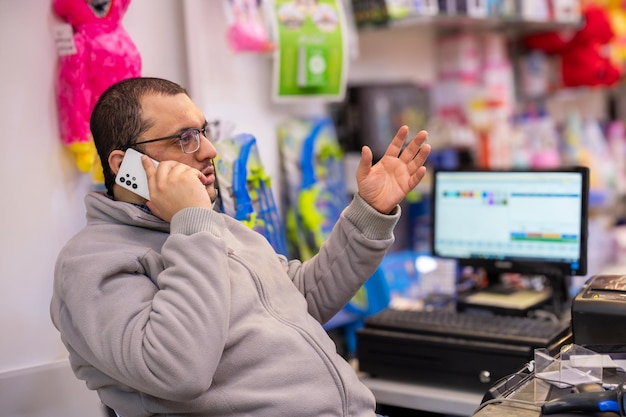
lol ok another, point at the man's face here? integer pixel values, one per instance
(171, 115)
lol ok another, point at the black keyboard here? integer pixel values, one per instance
(515, 330)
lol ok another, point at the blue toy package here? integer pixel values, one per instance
(315, 195)
(245, 188)
(315, 189)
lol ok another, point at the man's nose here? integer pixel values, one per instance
(207, 150)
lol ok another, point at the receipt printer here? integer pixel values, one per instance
(599, 311)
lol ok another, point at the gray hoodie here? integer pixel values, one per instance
(201, 317)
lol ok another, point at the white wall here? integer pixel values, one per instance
(42, 203)
(238, 86)
(39, 186)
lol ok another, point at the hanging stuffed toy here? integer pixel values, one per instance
(584, 55)
(104, 54)
(247, 32)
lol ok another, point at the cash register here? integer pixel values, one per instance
(526, 222)
(596, 388)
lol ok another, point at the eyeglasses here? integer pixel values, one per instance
(189, 140)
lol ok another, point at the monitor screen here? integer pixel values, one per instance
(529, 222)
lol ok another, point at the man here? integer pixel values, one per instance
(168, 307)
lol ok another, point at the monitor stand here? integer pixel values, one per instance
(498, 298)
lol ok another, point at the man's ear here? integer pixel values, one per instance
(115, 160)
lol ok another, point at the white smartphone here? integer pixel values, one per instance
(132, 176)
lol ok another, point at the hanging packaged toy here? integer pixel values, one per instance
(315, 182)
(245, 188)
(247, 31)
(316, 194)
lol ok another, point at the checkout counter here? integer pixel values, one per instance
(520, 395)
(599, 336)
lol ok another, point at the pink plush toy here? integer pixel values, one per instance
(104, 55)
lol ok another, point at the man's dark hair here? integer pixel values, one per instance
(116, 121)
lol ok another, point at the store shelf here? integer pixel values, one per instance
(448, 23)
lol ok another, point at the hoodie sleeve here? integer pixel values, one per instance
(351, 254)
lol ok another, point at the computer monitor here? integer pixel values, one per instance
(521, 221)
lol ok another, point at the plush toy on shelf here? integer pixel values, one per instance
(102, 54)
(584, 55)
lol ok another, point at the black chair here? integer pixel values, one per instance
(110, 412)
